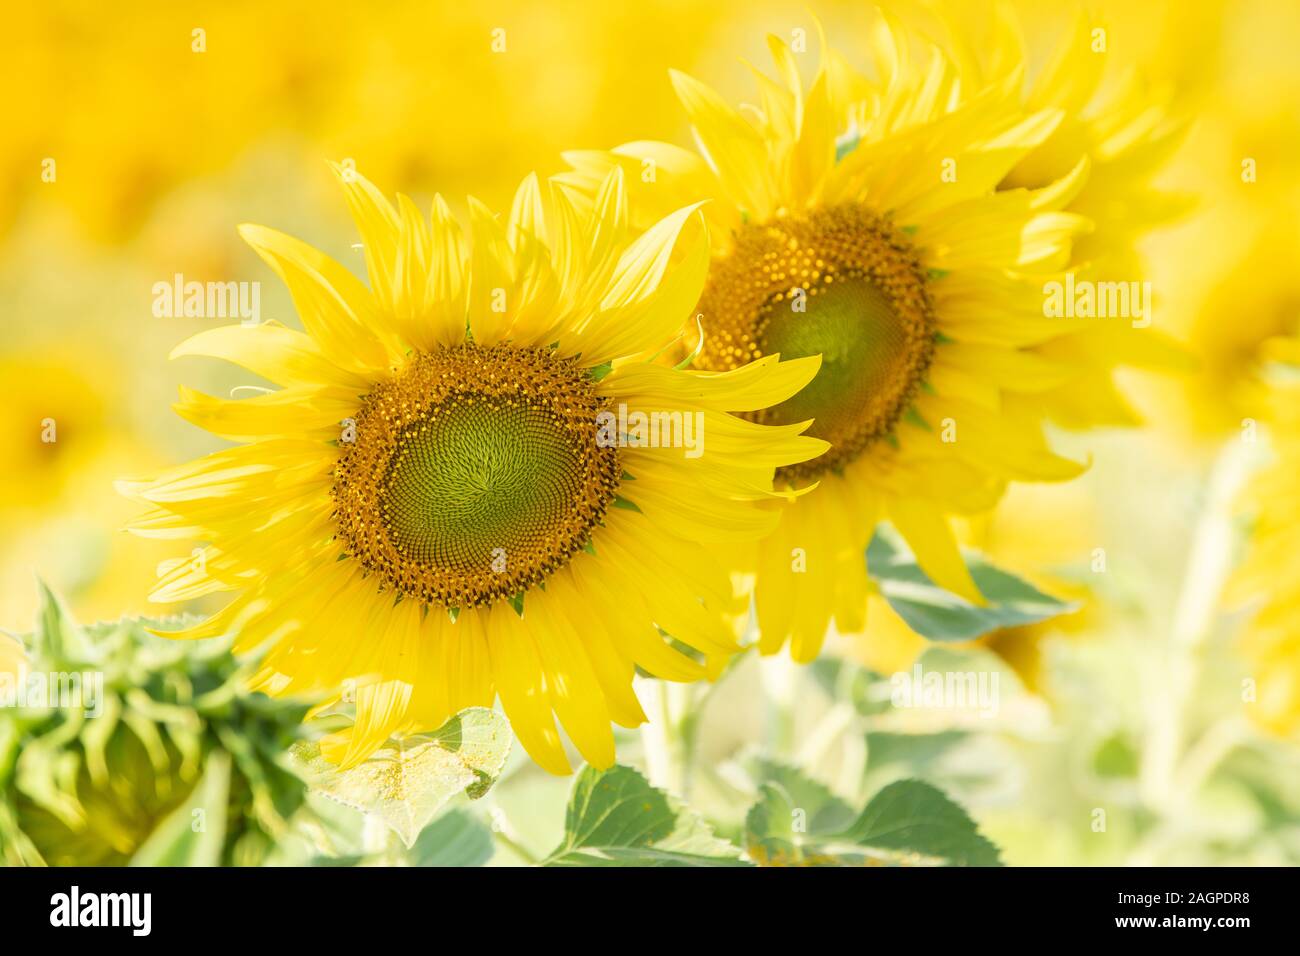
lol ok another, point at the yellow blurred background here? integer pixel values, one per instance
(136, 141)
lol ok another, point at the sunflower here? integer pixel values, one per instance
(1127, 130)
(50, 403)
(905, 230)
(65, 448)
(451, 496)
(1270, 575)
(1238, 286)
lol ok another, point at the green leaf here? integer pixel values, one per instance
(798, 822)
(194, 834)
(777, 834)
(408, 780)
(941, 615)
(456, 838)
(794, 813)
(615, 818)
(825, 812)
(57, 637)
(916, 820)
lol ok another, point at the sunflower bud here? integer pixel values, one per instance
(105, 731)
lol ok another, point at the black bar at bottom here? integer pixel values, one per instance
(368, 906)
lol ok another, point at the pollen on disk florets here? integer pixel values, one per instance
(474, 473)
(841, 282)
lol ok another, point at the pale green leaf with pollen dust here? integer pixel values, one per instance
(408, 780)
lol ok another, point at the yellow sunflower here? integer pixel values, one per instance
(437, 508)
(65, 447)
(908, 230)
(1237, 283)
(1127, 130)
(1270, 573)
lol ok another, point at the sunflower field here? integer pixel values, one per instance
(650, 434)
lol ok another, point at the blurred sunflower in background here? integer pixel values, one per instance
(53, 433)
(1233, 275)
(68, 438)
(905, 229)
(424, 514)
(1269, 578)
(1234, 269)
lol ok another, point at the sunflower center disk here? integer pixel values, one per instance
(840, 283)
(474, 474)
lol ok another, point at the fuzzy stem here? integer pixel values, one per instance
(1208, 566)
(657, 740)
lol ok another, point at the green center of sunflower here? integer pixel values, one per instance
(474, 474)
(841, 283)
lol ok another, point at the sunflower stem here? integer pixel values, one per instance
(655, 738)
(685, 702)
(1208, 566)
(778, 675)
(668, 736)
(514, 846)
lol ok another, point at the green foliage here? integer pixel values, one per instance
(182, 766)
(798, 822)
(86, 776)
(615, 818)
(195, 833)
(912, 819)
(456, 838)
(940, 615)
(962, 746)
